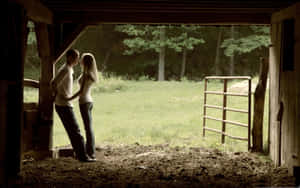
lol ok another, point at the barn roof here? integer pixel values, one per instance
(165, 11)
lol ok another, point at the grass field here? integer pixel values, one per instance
(149, 112)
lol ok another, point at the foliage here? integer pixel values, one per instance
(143, 38)
(31, 35)
(258, 38)
(106, 43)
(32, 60)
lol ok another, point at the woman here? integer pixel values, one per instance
(88, 77)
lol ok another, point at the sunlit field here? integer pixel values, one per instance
(150, 112)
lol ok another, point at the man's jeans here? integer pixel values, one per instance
(86, 114)
(68, 119)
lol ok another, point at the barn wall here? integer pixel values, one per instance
(285, 89)
(296, 133)
(11, 97)
(274, 91)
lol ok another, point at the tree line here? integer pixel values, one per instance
(169, 52)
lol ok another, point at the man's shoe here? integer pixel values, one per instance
(88, 160)
(91, 156)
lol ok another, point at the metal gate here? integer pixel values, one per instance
(225, 108)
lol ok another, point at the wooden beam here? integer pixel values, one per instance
(287, 13)
(259, 104)
(203, 18)
(3, 124)
(212, 12)
(45, 128)
(68, 39)
(243, 6)
(11, 101)
(36, 11)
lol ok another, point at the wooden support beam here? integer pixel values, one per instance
(166, 11)
(259, 103)
(36, 11)
(67, 34)
(202, 18)
(45, 128)
(11, 98)
(3, 125)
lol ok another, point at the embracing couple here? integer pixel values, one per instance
(62, 86)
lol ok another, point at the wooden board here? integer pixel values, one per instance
(165, 11)
(285, 88)
(45, 128)
(274, 91)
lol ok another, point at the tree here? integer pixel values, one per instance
(32, 59)
(184, 38)
(258, 38)
(231, 65)
(217, 57)
(143, 38)
(158, 38)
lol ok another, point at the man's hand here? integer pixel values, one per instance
(53, 89)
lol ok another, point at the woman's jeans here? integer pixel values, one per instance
(68, 119)
(86, 114)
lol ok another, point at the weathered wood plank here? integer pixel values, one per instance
(68, 41)
(3, 124)
(284, 131)
(12, 83)
(274, 91)
(202, 18)
(296, 147)
(45, 99)
(36, 11)
(259, 104)
(286, 13)
(166, 11)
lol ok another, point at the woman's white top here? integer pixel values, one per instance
(85, 95)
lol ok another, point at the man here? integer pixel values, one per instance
(62, 86)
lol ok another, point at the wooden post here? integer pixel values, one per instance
(11, 97)
(224, 110)
(259, 102)
(3, 125)
(45, 129)
(249, 113)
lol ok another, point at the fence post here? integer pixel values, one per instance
(224, 110)
(249, 113)
(204, 107)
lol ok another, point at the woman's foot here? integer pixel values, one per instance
(87, 159)
(93, 157)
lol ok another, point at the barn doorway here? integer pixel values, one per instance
(211, 52)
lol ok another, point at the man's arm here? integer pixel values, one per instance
(80, 90)
(60, 76)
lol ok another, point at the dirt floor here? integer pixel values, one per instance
(156, 166)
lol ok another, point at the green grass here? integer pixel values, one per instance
(150, 112)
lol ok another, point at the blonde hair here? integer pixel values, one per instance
(90, 66)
